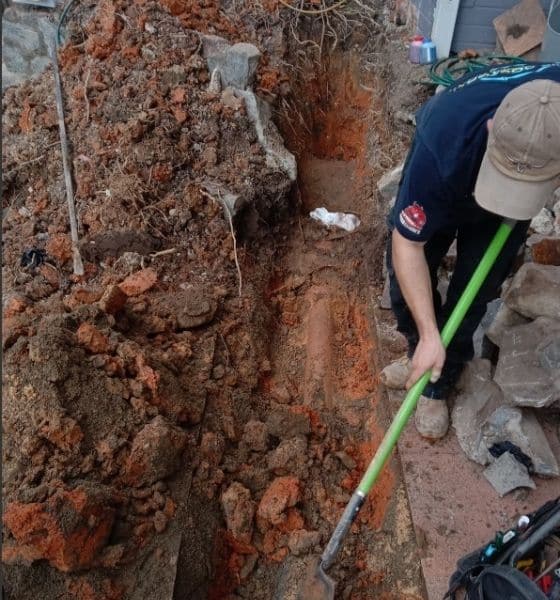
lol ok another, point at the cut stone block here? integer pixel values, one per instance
(527, 370)
(535, 291)
(506, 474)
(277, 155)
(236, 64)
(521, 427)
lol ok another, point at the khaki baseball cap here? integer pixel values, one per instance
(521, 166)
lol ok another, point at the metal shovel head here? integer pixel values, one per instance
(304, 579)
(316, 584)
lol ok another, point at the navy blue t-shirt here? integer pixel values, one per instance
(436, 188)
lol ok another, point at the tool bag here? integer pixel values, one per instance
(490, 572)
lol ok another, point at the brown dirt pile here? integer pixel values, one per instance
(107, 377)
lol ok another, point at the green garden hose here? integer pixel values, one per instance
(447, 70)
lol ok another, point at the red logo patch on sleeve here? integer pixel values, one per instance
(413, 218)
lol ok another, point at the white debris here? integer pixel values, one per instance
(346, 221)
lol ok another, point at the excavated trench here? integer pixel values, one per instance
(322, 349)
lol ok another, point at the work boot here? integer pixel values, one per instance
(432, 418)
(395, 375)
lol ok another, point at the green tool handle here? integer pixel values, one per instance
(401, 418)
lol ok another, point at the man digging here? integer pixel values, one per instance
(485, 149)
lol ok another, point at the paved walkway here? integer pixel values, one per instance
(454, 508)
(26, 31)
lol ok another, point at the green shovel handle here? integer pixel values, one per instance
(401, 418)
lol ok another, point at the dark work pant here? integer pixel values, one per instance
(472, 241)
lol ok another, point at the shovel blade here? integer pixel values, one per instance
(304, 579)
(316, 585)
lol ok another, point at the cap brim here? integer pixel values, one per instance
(508, 197)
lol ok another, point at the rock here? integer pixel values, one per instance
(236, 64)
(285, 424)
(549, 355)
(155, 453)
(18, 36)
(385, 299)
(346, 460)
(506, 474)
(68, 530)
(113, 300)
(39, 64)
(81, 296)
(556, 211)
(478, 338)
(277, 156)
(288, 456)
(175, 75)
(301, 540)
(14, 304)
(239, 511)
(523, 372)
(59, 246)
(388, 184)
(546, 251)
(521, 427)
(543, 223)
(505, 319)
(196, 308)
(90, 337)
(255, 435)
(213, 45)
(139, 282)
(535, 291)
(231, 203)
(283, 493)
(479, 398)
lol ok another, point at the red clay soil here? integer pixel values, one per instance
(165, 436)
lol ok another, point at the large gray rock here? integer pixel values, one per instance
(506, 474)
(521, 427)
(503, 321)
(478, 399)
(277, 155)
(481, 419)
(528, 367)
(236, 64)
(535, 291)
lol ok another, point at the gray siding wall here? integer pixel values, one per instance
(473, 28)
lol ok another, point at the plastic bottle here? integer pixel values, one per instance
(414, 50)
(428, 52)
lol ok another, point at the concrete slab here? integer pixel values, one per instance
(453, 507)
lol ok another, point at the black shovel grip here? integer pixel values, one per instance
(348, 516)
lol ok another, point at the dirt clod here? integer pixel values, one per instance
(239, 511)
(155, 452)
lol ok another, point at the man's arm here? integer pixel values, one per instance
(413, 276)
